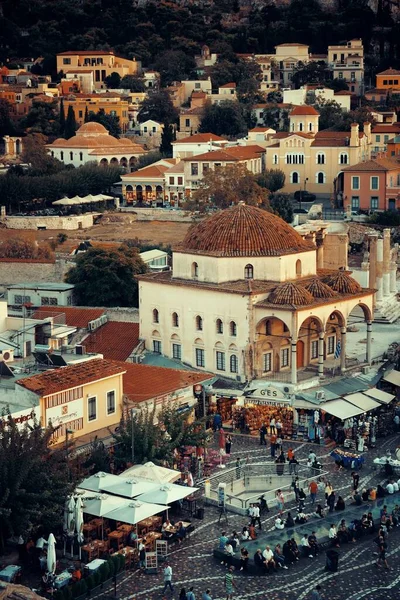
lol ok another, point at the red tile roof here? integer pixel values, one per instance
(389, 72)
(392, 128)
(74, 317)
(115, 340)
(152, 171)
(232, 154)
(343, 93)
(199, 138)
(144, 382)
(229, 85)
(303, 110)
(65, 378)
(379, 164)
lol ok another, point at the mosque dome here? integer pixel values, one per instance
(290, 293)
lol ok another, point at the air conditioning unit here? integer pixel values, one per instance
(80, 350)
(7, 355)
(320, 395)
(365, 370)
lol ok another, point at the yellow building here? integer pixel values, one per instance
(85, 398)
(110, 102)
(388, 80)
(101, 62)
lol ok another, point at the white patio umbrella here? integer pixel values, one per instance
(79, 523)
(129, 488)
(166, 494)
(51, 554)
(101, 505)
(133, 511)
(153, 472)
(69, 519)
(96, 482)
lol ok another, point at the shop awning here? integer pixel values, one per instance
(362, 401)
(379, 395)
(393, 377)
(341, 409)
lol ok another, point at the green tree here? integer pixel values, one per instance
(6, 125)
(330, 114)
(338, 85)
(34, 480)
(70, 124)
(62, 117)
(174, 65)
(43, 118)
(272, 179)
(312, 72)
(168, 136)
(86, 118)
(98, 458)
(276, 117)
(133, 83)
(34, 153)
(110, 122)
(148, 159)
(113, 81)
(158, 106)
(107, 277)
(229, 185)
(281, 204)
(225, 118)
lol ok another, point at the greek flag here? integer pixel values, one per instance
(338, 349)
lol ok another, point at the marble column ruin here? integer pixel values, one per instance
(379, 270)
(386, 262)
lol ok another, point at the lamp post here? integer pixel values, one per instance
(133, 411)
(68, 432)
(304, 191)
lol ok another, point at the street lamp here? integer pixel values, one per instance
(301, 194)
(133, 413)
(68, 432)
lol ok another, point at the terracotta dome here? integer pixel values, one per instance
(290, 293)
(318, 289)
(343, 283)
(92, 128)
(244, 230)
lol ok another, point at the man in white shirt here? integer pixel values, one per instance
(251, 514)
(279, 524)
(256, 515)
(305, 546)
(390, 488)
(272, 428)
(268, 556)
(229, 551)
(395, 486)
(333, 535)
(168, 578)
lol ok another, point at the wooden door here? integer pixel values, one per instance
(300, 354)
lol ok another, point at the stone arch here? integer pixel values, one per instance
(155, 334)
(114, 161)
(219, 346)
(129, 188)
(159, 191)
(104, 162)
(308, 341)
(272, 336)
(139, 193)
(18, 146)
(363, 309)
(123, 162)
(198, 342)
(175, 338)
(233, 348)
(270, 324)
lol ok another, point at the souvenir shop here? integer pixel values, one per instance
(258, 411)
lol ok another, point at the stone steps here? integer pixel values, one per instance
(388, 311)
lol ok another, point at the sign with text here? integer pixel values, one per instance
(65, 412)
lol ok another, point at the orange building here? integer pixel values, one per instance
(102, 63)
(388, 80)
(110, 102)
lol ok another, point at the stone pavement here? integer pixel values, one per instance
(358, 577)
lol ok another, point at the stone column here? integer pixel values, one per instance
(369, 339)
(343, 349)
(372, 261)
(320, 255)
(386, 262)
(321, 354)
(393, 277)
(294, 361)
(379, 270)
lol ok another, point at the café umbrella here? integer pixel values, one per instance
(134, 511)
(79, 523)
(69, 520)
(129, 488)
(96, 483)
(51, 554)
(167, 493)
(153, 472)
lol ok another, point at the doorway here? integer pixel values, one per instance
(300, 354)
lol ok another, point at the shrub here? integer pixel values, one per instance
(111, 566)
(84, 588)
(58, 595)
(115, 560)
(121, 562)
(103, 572)
(90, 582)
(96, 578)
(67, 593)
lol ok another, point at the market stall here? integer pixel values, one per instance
(348, 460)
(260, 409)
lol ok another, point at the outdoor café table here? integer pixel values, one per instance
(92, 549)
(10, 572)
(125, 528)
(117, 536)
(98, 524)
(128, 552)
(88, 528)
(62, 579)
(151, 539)
(95, 564)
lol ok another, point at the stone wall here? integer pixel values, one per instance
(14, 271)
(335, 250)
(56, 222)
(160, 214)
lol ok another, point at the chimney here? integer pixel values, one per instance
(354, 136)
(367, 131)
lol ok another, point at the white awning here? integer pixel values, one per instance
(341, 409)
(393, 377)
(379, 395)
(362, 401)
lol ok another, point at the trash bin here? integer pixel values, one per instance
(200, 514)
(332, 560)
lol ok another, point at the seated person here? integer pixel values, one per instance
(167, 529)
(395, 486)
(295, 549)
(289, 520)
(269, 558)
(365, 495)
(234, 540)
(252, 532)
(319, 512)
(244, 559)
(229, 552)
(301, 518)
(370, 521)
(340, 505)
(279, 524)
(133, 536)
(380, 491)
(76, 574)
(372, 494)
(357, 499)
(364, 523)
(279, 558)
(245, 535)
(222, 540)
(343, 533)
(288, 552)
(305, 546)
(390, 487)
(181, 532)
(333, 535)
(259, 560)
(312, 540)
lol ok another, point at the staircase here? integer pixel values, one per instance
(387, 311)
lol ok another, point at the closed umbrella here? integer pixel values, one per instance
(51, 554)
(69, 520)
(79, 523)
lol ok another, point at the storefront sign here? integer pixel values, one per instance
(267, 401)
(267, 395)
(65, 413)
(20, 418)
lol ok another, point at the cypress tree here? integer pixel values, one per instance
(86, 115)
(70, 124)
(62, 117)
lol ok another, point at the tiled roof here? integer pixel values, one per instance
(343, 93)
(343, 283)
(199, 95)
(318, 289)
(389, 72)
(228, 85)
(74, 317)
(115, 340)
(260, 129)
(86, 52)
(144, 382)
(234, 153)
(65, 378)
(212, 156)
(392, 128)
(290, 293)
(378, 164)
(303, 110)
(152, 171)
(243, 231)
(199, 138)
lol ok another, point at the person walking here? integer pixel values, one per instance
(280, 501)
(316, 593)
(272, 427)
(382, 547)
(273, 444)
(230, 584)
(168, 578)
(263, 433)
(313, 487)
(190, 594)
(256, 515)
(142, 554)
(228, 444)
(207, 595)
(331, 501)
(356, 480)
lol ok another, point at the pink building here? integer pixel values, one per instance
(372, 185)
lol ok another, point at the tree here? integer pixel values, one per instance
(34, 480)
(158, 106)
(34, 153)
(330, 114)
(272, 179)
(276, 117)
(86, 118)
(225, 118)
(98, 459)
(70, 123)
(229, 185)
(113, 81)
(107, 277)
(43, 118)
(312, 72)
(6, 125)
(62, 117)
(174, 65)
(110, 122)
(168, 136)
(281, 204)
(23, 248)
(148, 159)
(337, 85)
(133, 83)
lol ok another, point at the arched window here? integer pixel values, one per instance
(294, 177)
(195, 270)
(248, 272)
(219, 326)
(81, 156)
(199, 323)
(298, 268)
(233, 328)
(267, 327)
(320, 177)
(344, 158)
(310, 126)
(233, 363)
(175, 320)
(155, 316)
(62, 155)
(301, 126)
(320, 158)
(71, 156)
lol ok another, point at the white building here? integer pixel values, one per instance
(93, 143)
(246, 298)
(197, 144)
(40, 294)
(156, 260)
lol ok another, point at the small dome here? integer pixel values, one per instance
(243, 230)
(343, 283)
(318, 289)
(290, 293)
(92, 128)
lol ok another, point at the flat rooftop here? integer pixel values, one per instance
(42, 286)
